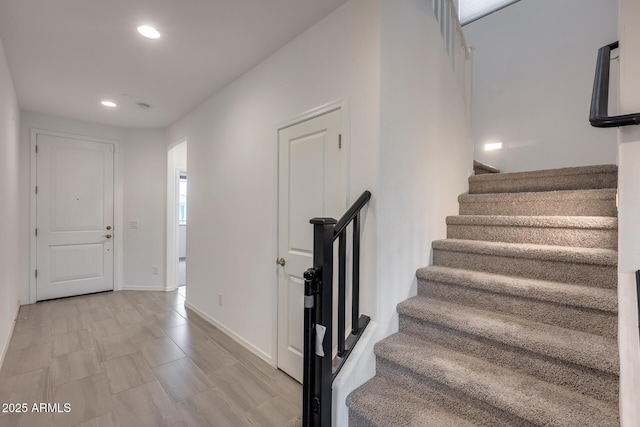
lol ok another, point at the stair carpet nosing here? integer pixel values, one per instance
(454, 400)
(541, 290)
(466, 408)
(546, 221)
(591, 382)
(531, 399)
(599, 202)
(585, 177)
(573, 231)
(585, 266)
(581, 348)
(581, 319)
(593, 256)
(408, 410)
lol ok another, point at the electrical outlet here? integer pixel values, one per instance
(155, 270)
(220, 299)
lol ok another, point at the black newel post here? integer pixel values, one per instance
(317, 386)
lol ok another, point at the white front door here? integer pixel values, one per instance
(74, 216)
(311, 183)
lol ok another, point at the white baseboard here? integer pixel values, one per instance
(5, 347)
(237, 338)
(142, 288)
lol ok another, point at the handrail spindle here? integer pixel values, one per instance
(319, 372)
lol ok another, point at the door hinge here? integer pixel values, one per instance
(36, 273)
(36, 149)
(36, 232)
(36, 189)
(339, 141)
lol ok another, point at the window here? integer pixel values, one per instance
(470, 10)
(182, 194)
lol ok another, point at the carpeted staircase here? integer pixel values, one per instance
(515, 323)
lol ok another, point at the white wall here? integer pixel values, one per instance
(144, 201)
(232, 162)
(425, 150)
(139, 192)
(533, 71)
(628, 208)
(12, 265)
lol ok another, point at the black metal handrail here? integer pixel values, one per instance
(320, 368)
(599, 114)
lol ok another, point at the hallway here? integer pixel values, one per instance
(137, 359)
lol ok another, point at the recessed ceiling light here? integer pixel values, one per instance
(149, 31)
(109, 104)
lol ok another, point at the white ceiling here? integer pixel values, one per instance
(65, 56)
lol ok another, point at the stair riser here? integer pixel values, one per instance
(547, 183)
(455, 401)
(574, 237)
(582, 274)
(580, 319)
(570, 207)
(591, 382)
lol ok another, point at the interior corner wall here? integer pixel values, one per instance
(533, 69)
(425, 149)
(12, 265)
(232, 158)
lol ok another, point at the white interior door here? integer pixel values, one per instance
(74, 217)
(311, 183)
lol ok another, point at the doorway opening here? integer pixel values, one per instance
(177, 218)
(182, 231)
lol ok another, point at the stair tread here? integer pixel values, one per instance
(606, 257)
(564, 195)
(527, 397)
(383, 403)
(542, 290)
(560, 172)
(591, 222)
(582, 348)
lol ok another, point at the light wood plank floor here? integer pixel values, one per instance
(135, 359)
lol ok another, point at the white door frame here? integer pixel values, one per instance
(172, 234)
(343, 105)
(117, 207)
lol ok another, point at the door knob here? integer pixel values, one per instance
(108, 227)
(108, 236)
(281, 261)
